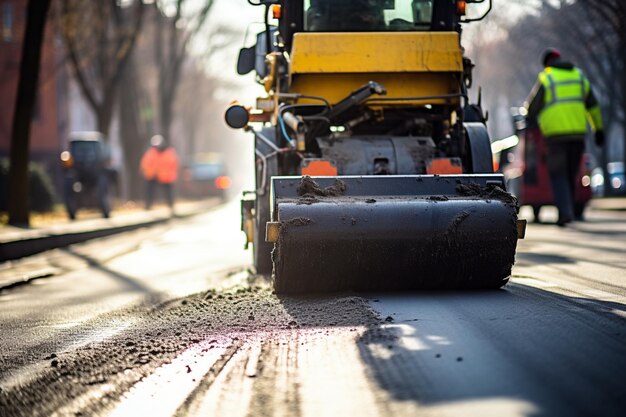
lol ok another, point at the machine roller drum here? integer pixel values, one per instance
(393, 242)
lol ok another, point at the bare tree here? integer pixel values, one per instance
(195, 99)
(173, 35)
(26, 92)
(592, 33)
(134, 129)
(100, 37)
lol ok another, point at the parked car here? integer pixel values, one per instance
(87, 173)
(526, 172)
(617, 179)
(205, 176)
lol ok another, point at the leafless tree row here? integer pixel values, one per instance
(129, 56)
(590, 33)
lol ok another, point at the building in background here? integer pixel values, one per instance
(50, 118)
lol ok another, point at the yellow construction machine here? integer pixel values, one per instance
(373, 169)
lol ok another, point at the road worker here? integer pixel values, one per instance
(159, 166)
(563, 103)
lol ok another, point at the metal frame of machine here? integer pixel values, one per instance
(350, 108)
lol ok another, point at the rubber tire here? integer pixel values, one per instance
(103, 196)
(262, 250)
(71, 214)
(71, 205)
(536, 211)
(478, 148)
(494, 285)
(579, 211)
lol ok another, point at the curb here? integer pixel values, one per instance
(21, 248)
(27, 247)
(25, 281)
(608, 204)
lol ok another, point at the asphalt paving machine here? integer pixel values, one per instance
(373, 169)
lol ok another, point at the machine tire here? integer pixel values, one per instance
(103, 196)
(473, 113)
(71, 204)
(579, 211)
(262, 250)
(495, 285)
(536, 211)
(479, 157)
(71, 214)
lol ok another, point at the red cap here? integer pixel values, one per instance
(550, 54)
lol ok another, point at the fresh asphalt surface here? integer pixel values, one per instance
(551, 343)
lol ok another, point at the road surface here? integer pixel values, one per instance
(168, 322)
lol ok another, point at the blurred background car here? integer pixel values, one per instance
(87, 173)
(616, 180)
(205, 175)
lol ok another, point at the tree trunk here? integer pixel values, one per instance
(104, 112)
(133, 132)
(19, 205)
(622, 79)
(166, 119)
(112, 37)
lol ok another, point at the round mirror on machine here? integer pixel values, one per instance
(237, 116)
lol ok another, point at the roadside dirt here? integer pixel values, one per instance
(298, 221)
(489, 192)
(309, 187)
(309, 190)
(223, 319)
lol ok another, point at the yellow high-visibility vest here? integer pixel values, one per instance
(564, 111)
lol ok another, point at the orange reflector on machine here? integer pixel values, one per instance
(223, 182)
(461, 7)
(276, 11)
(319, 168)
(444, 166)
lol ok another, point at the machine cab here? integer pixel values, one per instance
(348, 16)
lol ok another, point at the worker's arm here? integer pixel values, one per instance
(535, 101)
(593, 109)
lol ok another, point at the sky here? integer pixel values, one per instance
(238, 16)
(245, 19)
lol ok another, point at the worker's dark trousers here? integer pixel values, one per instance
(563, 164)
(151, 188)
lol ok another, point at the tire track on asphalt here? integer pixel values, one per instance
(276, 357)
(313, 372)
(168, 387)
(332, 377)
(226, 391)
(276, 387)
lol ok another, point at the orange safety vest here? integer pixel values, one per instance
(160, 165)
(168, 166)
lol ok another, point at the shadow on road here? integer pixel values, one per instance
(531, 351)
(128, 281)
(539, 258)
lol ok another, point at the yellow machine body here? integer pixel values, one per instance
(408, 64)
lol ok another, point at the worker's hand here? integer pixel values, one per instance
(600, 138)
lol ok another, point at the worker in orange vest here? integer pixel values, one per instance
(159, 165)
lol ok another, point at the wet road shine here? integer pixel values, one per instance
(171, 324)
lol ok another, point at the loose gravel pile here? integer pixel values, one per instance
(221, 318)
